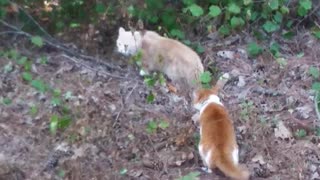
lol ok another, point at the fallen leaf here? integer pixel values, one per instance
(172, 88)
(259, 159)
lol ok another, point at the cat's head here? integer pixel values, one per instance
(128, 43)
(201, 95)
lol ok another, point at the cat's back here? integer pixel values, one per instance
(217, 125)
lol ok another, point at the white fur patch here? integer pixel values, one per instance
(128, 43)
(235, 156)
(212, 99)
(208, 157)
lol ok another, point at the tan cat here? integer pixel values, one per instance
(218, 146)
(179, 62)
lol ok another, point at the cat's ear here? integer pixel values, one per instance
(215, 89)
(121, 30)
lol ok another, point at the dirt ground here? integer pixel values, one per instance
(107, 138)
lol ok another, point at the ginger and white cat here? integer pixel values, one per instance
(179, 62)
(218, 146)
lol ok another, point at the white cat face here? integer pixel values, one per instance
(127, 43)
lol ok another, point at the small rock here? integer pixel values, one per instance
(241, 82)
(282, 131)
(235, 73)
(315, 176)
(304, 111)
(242, 129)
(42, 97)
(226, 54)
(135, 173)
(259, 159)
(313, 168)
(112, 107)
(190, 156)
(271, 168)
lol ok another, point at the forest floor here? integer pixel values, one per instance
(111, 137)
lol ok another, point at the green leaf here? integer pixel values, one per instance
(43, 60)
(284, 10)
(300, 133)
(6, 101)
(74, 25)
(27, 76)
(61, 173)
(188, 2)
(236, 22)
(8, 67)
(316, 86)
(177, 33)
(316, 34)
(56, 92)
(302, 11)
(68, 95)
(200, 49)
(288, 35)
(4, 2)
(274, 48)
(162, 79)
(214, 11)
(151, 126)
(282, 62)
(205, 77)
(314, 72)
(56, 102)
(131, 10)
(38, 85)
(233, 8)
(64, 122)
(54, 120)
(300, 54)
(163, 124)
(150, 97)
(33, 110)
(254, 49)
(224, 30)
(270, 26)
(22, 60)
(273, 4)
(306, 4)
(37, 40)
(196, 10)
(123, 171)
(100, 8)
(278, 17)
(149, 81)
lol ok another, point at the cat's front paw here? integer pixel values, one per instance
(206, 169)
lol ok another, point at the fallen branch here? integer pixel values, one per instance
(16, 30)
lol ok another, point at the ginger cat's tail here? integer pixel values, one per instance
(225, 163)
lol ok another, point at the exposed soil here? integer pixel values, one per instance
(107, 138)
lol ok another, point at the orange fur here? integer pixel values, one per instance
(218, 146)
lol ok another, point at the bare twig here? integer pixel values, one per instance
(91, 69)
(129, 94)
(118, 115)
(316, 105)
